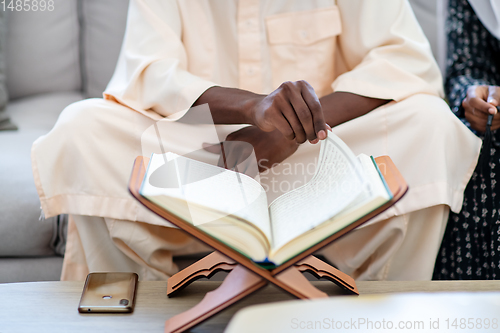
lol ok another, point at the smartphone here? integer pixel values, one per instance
(108, 292)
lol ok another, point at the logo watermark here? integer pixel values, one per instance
(366, 324)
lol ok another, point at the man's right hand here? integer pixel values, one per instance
(480, 102)
(294, 110)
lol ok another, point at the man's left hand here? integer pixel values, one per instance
(270, 148)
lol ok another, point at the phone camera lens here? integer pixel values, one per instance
(124, 302)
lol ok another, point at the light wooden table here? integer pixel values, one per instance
(52, 306)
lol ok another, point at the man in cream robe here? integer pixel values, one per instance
(174, 51)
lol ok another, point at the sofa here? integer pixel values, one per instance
(53, 59)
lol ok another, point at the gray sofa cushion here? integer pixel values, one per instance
(21, 232)
(43, 50)
(103, 27)
(30, 269)
(431, 14)
(5, 123)
(3, 35)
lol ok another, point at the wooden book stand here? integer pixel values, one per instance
(245, 276)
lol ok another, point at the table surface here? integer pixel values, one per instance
(52, 306)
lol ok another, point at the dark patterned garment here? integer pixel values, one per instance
(471, 243)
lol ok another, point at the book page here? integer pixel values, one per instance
(200, 184)
(374, 195)
(368, 192)
(374, 188)
(337, 182)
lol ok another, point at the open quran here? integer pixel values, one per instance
(233, 208)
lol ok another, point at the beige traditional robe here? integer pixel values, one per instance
(174, 50)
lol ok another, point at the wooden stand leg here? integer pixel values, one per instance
(215, 262)
(295, 280)
(321, 269)
(237, 285)
(241, 282)
(203, 268)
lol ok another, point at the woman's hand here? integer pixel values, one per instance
(294, 110)
(480, 102)
(270, 148)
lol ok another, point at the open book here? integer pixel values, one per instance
(232, 207)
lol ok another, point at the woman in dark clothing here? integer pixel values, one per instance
(471, 243)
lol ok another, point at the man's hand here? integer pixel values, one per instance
(294, 110)
(480, 102)
(270, 148)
